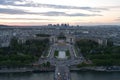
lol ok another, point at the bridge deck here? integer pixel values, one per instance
(62, 73)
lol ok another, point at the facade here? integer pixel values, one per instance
(53, 39)
(68, 39)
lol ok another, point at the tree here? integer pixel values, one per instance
(48, 64)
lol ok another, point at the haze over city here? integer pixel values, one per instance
(74, 12)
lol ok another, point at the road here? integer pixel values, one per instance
(62, 73)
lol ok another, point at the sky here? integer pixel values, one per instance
(74, 12)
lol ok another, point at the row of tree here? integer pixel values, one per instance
(21, 54)
(100, 55)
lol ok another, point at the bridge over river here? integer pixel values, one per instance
(62, 72)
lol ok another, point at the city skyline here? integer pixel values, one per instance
(74, 12)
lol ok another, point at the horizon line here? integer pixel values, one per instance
(59, 25)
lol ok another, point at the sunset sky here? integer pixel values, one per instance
(74, 12)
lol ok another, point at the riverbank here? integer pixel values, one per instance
(97, 68)
(24, 70)
(73, 68)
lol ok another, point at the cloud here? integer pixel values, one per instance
(50, 13)
(112, 7)
(16, 7)
(11, 11)
(15, 11)
(27, 19)
(118, 19)
(28, 3)
(8, 2)
(81, 14)
(91, 9)
(54, 13)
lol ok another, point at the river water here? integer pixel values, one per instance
(92, 75)
(89, 75)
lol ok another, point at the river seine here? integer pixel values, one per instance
(88, 75)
